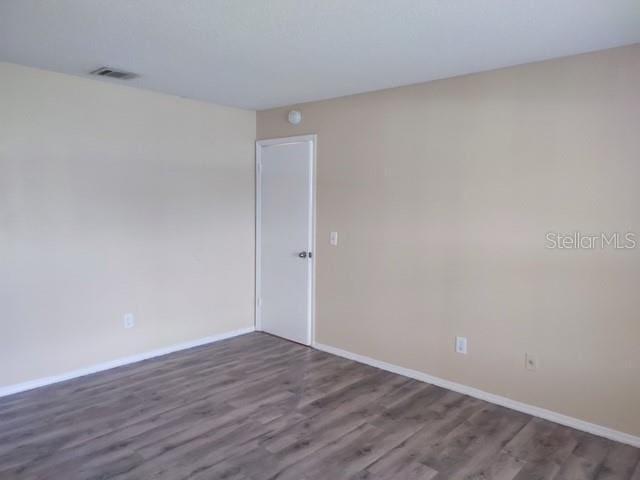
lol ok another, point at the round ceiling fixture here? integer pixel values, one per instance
(295, 117)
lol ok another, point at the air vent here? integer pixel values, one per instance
(113, 73)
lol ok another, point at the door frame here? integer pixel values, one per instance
(313, 138)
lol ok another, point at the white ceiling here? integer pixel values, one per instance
(257, 54)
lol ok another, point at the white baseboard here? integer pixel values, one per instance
(41, 382)
(578, 424)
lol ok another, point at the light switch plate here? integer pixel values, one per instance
(531, 361)
(333, 238)
(129, 320)
(461, 345)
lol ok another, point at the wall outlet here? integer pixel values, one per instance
(129, 320)
(461, 345)
(531, 361)
(333, 238)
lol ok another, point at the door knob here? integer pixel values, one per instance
(302, 254)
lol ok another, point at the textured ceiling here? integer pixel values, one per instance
(257, 54)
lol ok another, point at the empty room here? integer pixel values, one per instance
(319, 239)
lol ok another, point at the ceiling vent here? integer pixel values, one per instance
(113, 73)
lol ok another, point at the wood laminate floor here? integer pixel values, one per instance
(258, 407)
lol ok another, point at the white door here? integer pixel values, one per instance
(284, 237)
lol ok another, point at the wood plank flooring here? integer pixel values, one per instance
(257, 407)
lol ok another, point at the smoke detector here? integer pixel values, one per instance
(113, 73)
(295, 117)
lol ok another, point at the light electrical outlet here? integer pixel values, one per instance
(129, 320)
(461, 345)
(531, 361)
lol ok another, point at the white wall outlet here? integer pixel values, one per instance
(129, 320)
(531, 361)
(461, 345)
(333, 238)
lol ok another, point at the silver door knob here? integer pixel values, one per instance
(302, 254)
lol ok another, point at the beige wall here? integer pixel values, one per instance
(442, 194)
(116, 200)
